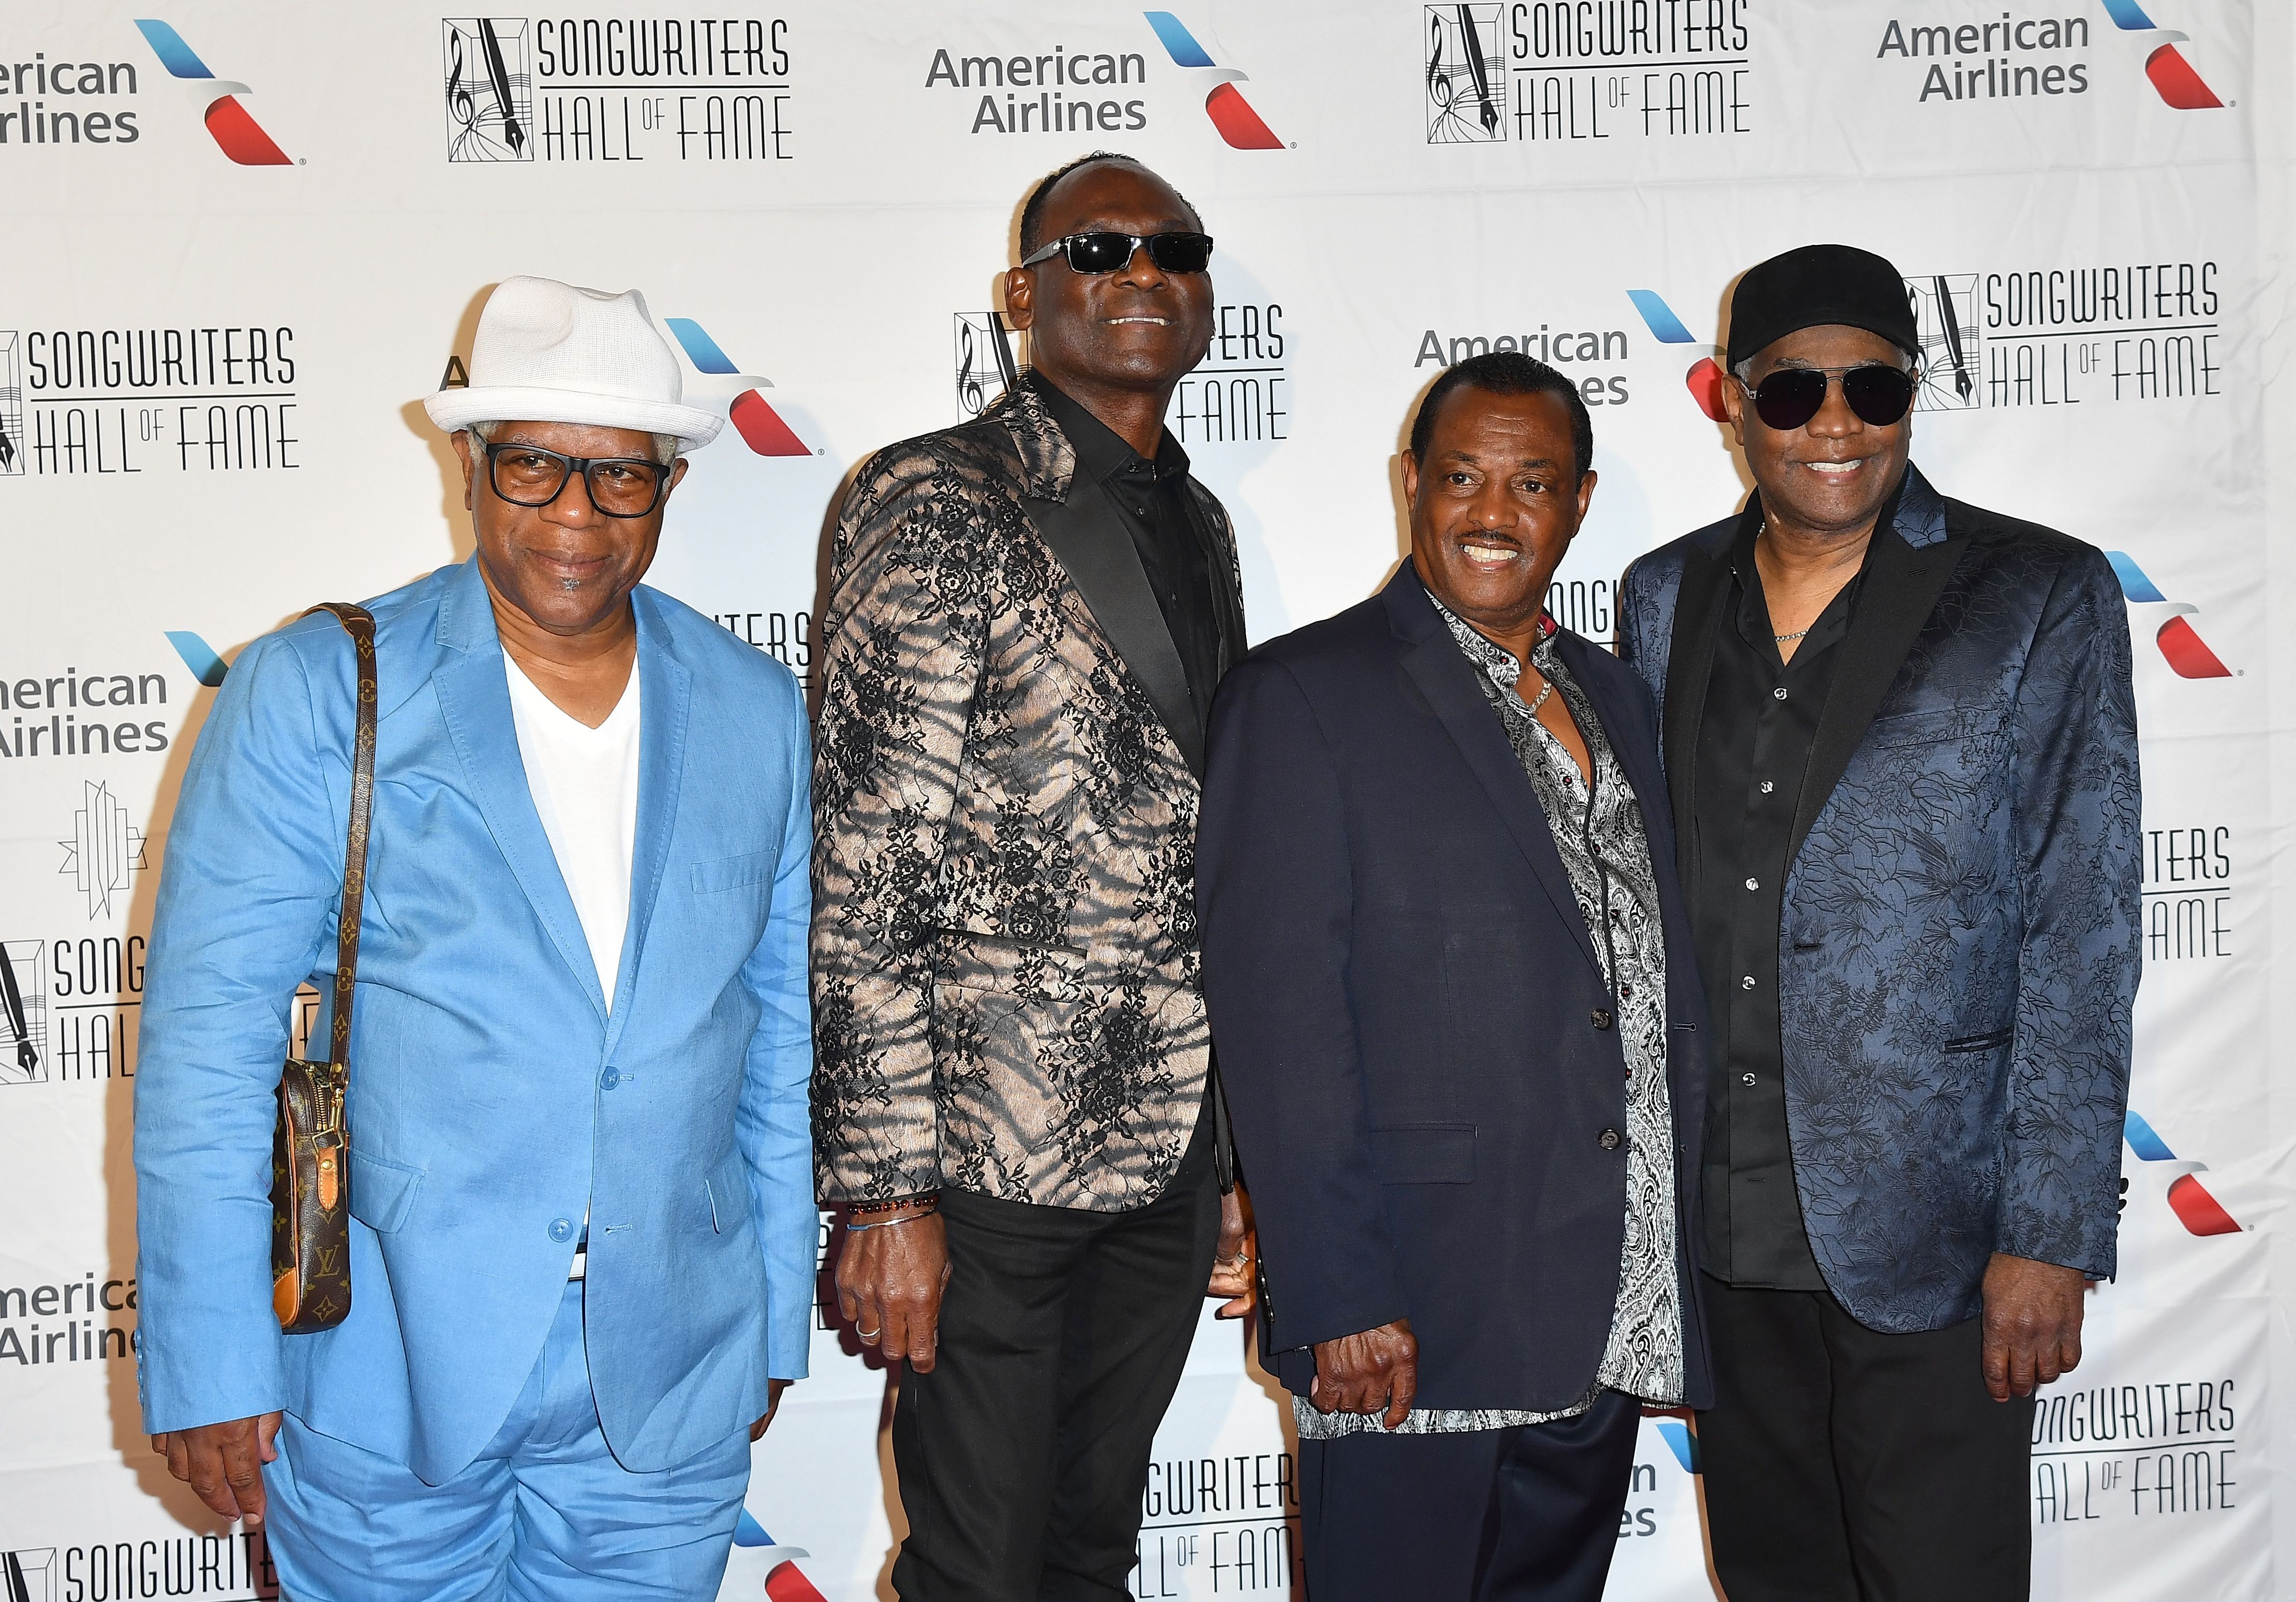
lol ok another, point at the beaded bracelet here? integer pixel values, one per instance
(862, 1209)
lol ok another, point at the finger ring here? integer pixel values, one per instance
(870, 1335)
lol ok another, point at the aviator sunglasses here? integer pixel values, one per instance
(1789, 396)
(1107, 252)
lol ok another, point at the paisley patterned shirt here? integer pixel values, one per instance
(1599, 832)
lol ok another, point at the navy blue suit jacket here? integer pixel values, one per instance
(1958, 952)
(1417, 1042)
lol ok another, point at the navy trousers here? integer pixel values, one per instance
(1529, 1513)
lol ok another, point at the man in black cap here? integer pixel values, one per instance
(1901, 746)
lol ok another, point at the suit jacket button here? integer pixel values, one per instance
(1600, 1017)
(562, 1228)
(1608, 1141)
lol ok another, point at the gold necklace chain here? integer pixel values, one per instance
(1799, 633)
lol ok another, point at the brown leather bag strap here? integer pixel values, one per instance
(360, 624)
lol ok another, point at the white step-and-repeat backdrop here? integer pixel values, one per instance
(243, 239)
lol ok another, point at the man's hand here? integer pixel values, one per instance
(224, 1463)
(889, 1283)
(1239, 1245)
(773, 1389)
(2032, 1324)
(1365, 1373)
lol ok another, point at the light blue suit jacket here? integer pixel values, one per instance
(494, 1099)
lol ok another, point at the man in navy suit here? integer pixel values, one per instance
(1450, 981)
(1901, 740)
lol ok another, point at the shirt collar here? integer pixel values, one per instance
(1101, 452)
(1834, 621)
(1497, 661)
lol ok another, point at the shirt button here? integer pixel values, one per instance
(1625, 992)
(1768, 787)
(562, 1229)
(610, 1077)
(1753, 884)
(1608, 1140)
(1746, 1078)
(1780, 692)
(1747, 983)
(1599, 1018)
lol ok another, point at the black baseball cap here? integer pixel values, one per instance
(1816, 285)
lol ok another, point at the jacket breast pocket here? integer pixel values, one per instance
(732, 873)
(1937, 724)
(1984, 1042)
(382, 1193)
(1424, 1154)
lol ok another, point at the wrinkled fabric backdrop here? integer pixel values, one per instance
(244, 239)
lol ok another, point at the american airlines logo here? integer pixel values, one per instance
(232, 125)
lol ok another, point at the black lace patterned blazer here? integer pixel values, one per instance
(1004, 951)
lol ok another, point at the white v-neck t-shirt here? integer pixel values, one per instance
(585, 783)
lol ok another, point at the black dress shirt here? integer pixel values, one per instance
(1754, 740)
(1153, 504)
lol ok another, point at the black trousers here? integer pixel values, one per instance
(1023, 1455)
(1842, 1464)
(1529, 1513)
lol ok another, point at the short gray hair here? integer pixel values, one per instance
(665, 446)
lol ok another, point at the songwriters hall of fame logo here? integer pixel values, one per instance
(30, 1574)
(1466, 84)
(23, 1017)
(489, 90)
(12, 402)
(986, 364)
(1945, 318)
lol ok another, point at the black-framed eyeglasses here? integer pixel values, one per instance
(1787, 397)
(1107, 253)
(527, 475)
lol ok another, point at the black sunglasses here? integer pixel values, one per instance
(1789, 396)
(1112, 253)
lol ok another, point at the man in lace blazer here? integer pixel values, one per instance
(1026, 615)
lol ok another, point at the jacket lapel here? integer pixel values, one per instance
(1704, 598)
(1446, 680)
(1903, 581)
(474, 700)
(1075, 519)
(1217, 530)
(666, 688)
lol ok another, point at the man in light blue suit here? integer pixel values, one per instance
(582, 1251)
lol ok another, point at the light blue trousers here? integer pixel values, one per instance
(544, 1514)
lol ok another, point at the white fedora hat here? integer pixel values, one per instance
(551, 352)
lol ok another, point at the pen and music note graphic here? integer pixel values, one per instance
(488, 90)
(1465, 82)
